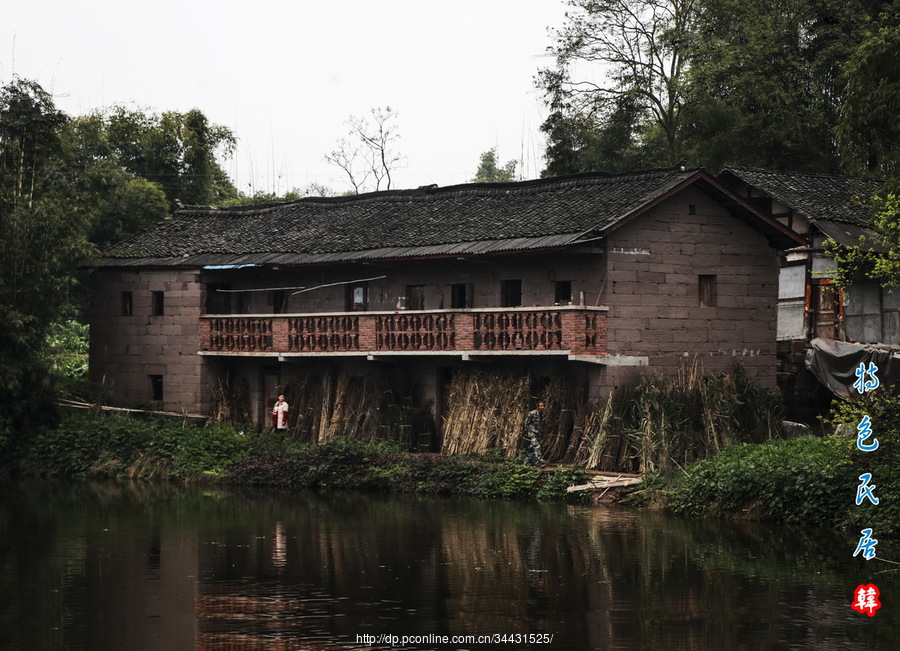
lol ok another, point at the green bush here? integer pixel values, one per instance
(113, 445)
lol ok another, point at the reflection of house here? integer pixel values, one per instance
(820, 207)
(583, 276)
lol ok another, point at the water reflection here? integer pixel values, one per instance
(111, 566)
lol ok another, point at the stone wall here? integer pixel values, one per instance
(657, 307)
(138, 353)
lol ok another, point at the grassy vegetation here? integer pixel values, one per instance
(661, 423)
(809, 480)
(87, 445)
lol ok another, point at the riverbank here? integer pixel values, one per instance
(807, 480)
(125, 447)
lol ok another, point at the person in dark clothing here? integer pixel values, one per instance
(532, 430)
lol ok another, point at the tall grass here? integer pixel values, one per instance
(663, 422)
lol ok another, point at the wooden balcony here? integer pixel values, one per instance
(573, 330)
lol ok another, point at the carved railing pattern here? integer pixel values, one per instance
(327, 334)
(240, 334)
(518, 331)
(418, 331)
(594, 331)
(576, 329)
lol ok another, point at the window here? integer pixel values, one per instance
(706, 291)
(278, 300)
(127, 303)
(510, 293)
(415, 297)
(357, 297)
(156, 387)
(218, 300)
(158, 303)
(461, 296)
(562, 292)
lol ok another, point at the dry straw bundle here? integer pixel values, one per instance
(230, 400)
(364, 408)
(485, 410)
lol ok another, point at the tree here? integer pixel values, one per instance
(764, 82)
(42, 239)
(29, 138)
(366, 154)
(178, 151)
(609, 142)
(868, 138)
(613, 49)
(488, 172)
(868, 130)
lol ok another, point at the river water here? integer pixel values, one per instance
(157, 566)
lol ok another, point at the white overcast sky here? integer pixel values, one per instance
(285, 76)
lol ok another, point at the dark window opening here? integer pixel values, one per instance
(218, 300)
(706, 290)
(510, 293)
(415, 297)
(278, 300)
(460, 296)
(562, 292)
(156, 387)
(127, 303)
(692, 209)
(158, 304)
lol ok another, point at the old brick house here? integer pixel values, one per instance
(589, 276)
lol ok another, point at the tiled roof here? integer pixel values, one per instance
(817, 197)
(456, 220)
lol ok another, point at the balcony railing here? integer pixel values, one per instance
(571, 329)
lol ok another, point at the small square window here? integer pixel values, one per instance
(156, 387)
(706, 291)
(158, 303)
(127, 303)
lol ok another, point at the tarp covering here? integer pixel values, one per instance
(834, 363)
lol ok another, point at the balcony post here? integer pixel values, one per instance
(572, 324)
(205, 334)
(465, 330)
(280, 339)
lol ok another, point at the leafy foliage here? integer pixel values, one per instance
(643, 83)
(41, 241)
(765, 82)
(804, 480)
(87, 445)
(489, 172)
(868, 132)
(620, 58)
(878, 257)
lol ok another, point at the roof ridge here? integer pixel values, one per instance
(741, 168)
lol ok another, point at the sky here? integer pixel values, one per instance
(286, 76)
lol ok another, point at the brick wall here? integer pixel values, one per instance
(127, 349)
(654, 265)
